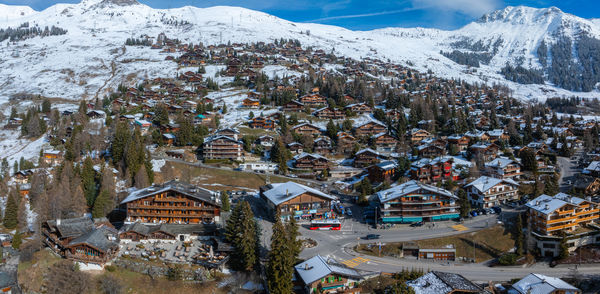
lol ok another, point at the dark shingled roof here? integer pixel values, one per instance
(179, 187)
(97, 238)
(72, 227)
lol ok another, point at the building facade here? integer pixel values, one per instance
(172, 202)
(414, 201)
(486, 192)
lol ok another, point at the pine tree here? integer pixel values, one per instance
(232, 230)
(519, 235)
(122, 136)
(244, 238)
(17, 240)
(11, 213)
(295, 244)
(465, 205)
(103, 205)
(225, 204)
(280, 264)
(88, 181)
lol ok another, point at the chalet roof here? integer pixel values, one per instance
(314, 156)
(367, 150)
(583, 181)
(98, 238)
(440, 282)
(282, 192)
(594, 166)
(387, 165)
(500, 162)
(540, 284)
(546, 204)
(410, 187)
(306, 124)
(72, 227)
(318, 267)
(484, 183)
(232, 130)
(431, 161)
(217, 137)
(371, 122)
(179, 187)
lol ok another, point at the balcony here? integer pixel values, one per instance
(559, 220)
(166, 207)
(172, 215)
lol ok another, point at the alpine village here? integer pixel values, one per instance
(331, 175)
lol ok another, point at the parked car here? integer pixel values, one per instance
(473, 213)
(497, 209)
(348, 212)
(416, 224)
(371, 237)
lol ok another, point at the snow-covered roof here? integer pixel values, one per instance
(485, 183)
(440, 282)
(367, 150)
(282, 192)
(540, 284)
(315, 156)
(546, 204)
(500, 162)
(317, 267)
(594, 166)
(410, 187)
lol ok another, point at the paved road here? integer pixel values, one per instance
(339, 246)
(568, 169)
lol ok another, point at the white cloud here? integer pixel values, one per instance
(474, 8)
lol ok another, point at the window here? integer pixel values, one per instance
(549, 245)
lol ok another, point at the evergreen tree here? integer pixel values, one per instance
(519, 240)
(551, 186)
(122, 136)
(280, 264)
(331, 130)
(563, 247)
(465, 205)
(17, 240)
(103, 205)
(88, 181)
(225, 204)
(295, 244)
(11, 213)
(528, 160)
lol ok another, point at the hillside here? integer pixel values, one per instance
(91, 58)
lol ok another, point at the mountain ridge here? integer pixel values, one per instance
(496, 39)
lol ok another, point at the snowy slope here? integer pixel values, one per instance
(91, 58)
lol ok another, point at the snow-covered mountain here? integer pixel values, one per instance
(90, 58)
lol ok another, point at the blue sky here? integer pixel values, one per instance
(368, 14)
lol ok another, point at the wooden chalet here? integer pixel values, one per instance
(306, 129)
(52, 157)
(229, 132)
(311, 161)
(366, 157)
(222, 147)
(329, 113)
(250, 103)
(322, 145)
(418, 135)
(369, 129)
(359, 108)
(430, 150)
(262, 122)
(81, 240)
(293, 106)
(460, 142)
(345, 142)
(488, 152)
(434, 170)
(319, 275)
(295, 200)
(172, 202)
(384, 142)
(313, 100)
(587, 185)
(385, 171)
(295, 147)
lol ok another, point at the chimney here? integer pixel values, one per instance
(58, 222)
(287, 193)
(547, 206)
(306, 266)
